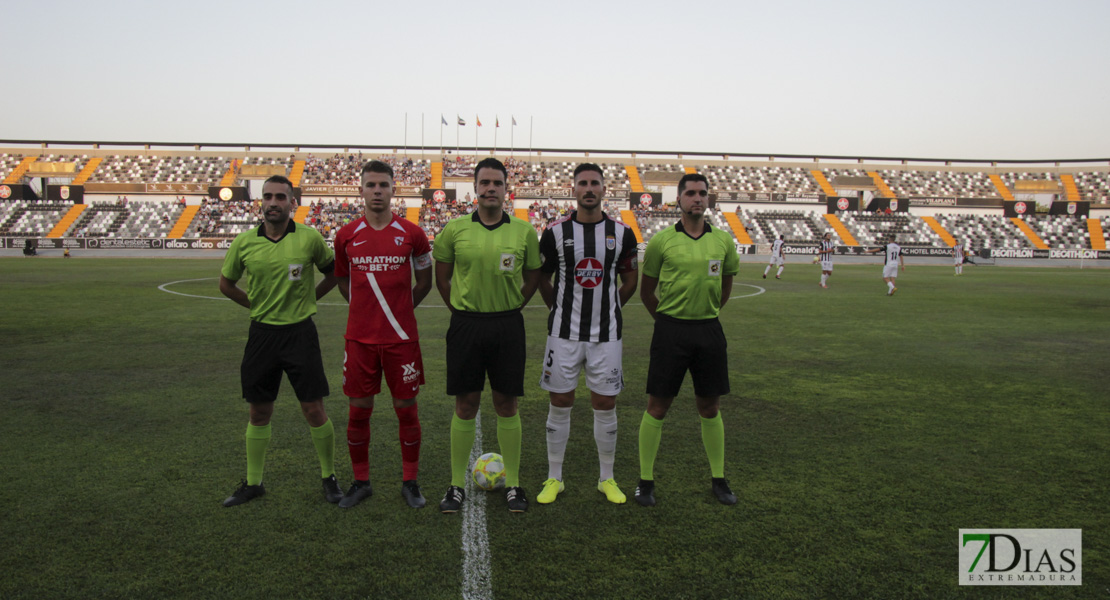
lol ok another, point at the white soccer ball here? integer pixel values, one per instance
(489, 472)
(816, 259)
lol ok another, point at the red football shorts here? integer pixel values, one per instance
(364, 364)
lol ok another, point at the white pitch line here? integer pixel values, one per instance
(477, 570)
(164, 287)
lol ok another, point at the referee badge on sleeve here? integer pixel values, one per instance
(508, 261)
(714, 268)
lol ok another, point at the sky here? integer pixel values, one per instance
(973, 79)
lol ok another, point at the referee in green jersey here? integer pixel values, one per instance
(278, 257)
(687, 278)
(487, 268)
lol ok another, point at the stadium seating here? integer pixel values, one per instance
(984, 231)
(907, 183)
(798, 226)
(1061, 231)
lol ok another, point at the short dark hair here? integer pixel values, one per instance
(377, 166)
(588, 167)
(490, 163)
(691, 177)
(282, 179)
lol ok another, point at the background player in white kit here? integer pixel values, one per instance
(893, 261)
(593, 260)
(777, 258)
(825, 254)
(958, 252)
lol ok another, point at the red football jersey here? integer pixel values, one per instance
(380, 265)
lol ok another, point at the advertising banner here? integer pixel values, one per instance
(837, 204)
(894, 204)
(66, 193)
(17, 191)
(177, 187)
(1074, 209)
(330, 190)
(645, 199)
(1018, 208)
(544, 192)
(232, 193)
(434, 195)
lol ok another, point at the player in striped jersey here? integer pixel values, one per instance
(593, 260)
(825, 253)
(892, 261)
(777, 257)
(958, 256)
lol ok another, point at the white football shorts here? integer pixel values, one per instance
(563, 361)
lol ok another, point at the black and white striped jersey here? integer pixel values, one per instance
(586, 259)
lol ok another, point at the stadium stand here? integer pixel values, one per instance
(984, 231)
(155, 216)
(871, 229)
(906, 183)
(798, 226)
(1061, 231)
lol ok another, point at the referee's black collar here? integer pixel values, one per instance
(504, 219)
(288, 229)
(679, 228)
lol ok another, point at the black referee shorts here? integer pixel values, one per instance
(481, 343)
(292, 349)
(678, 346)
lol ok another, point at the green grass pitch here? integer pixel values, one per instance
(862, 433)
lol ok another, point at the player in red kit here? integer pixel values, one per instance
(376, 256)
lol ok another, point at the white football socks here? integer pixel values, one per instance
(605, 434)
(558, 432)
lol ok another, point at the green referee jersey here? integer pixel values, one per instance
(690, 270)
(281, 280)
(489, 261)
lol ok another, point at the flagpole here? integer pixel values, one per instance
(441, 122)
(457, 125)
(406, 135)
(477, 126)
(512, 134)
(531, 121)
(421, 136)
(496, 126)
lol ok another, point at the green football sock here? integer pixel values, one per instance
(713, 436)
(651, 431)
(508, 437)
(258, 439)
(462, 440)
(323, 437)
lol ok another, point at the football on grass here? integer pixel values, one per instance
(489, 472)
